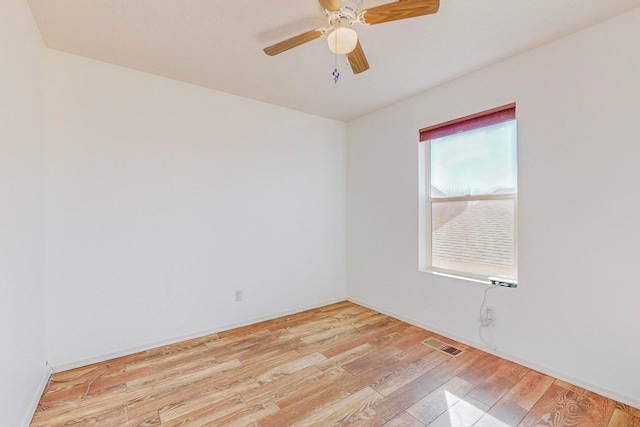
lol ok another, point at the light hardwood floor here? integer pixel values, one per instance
(339, 365)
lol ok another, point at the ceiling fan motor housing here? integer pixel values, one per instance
(347, 15)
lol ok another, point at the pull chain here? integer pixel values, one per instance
(336, 74)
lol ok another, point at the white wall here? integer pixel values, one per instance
(164, 198)
(22, 329)
(576, 310)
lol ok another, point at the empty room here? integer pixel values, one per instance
(319, 213)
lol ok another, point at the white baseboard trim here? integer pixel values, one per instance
(622, 398)
(46, 374)
(128, 351)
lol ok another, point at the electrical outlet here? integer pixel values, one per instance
(238, 295)
(489, 316)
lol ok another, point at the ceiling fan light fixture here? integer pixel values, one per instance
(342, 40)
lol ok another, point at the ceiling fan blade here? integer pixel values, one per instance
(402, 9)
(330, 5)
(357, 60)
(292, 42)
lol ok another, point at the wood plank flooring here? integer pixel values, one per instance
(339, 365)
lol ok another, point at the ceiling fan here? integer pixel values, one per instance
(342, 14)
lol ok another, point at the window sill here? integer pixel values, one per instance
(472, 278)
(483, 280)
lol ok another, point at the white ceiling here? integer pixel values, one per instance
(218, 44)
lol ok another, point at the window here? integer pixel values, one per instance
(468, 196)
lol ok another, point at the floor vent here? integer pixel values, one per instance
(440, 346)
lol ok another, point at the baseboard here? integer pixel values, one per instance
(622, 398)
(128, 351)
(46, 374)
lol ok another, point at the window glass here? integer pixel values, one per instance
(481, 161)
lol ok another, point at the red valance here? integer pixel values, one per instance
(474, 121)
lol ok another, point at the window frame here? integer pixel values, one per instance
(474, 121)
